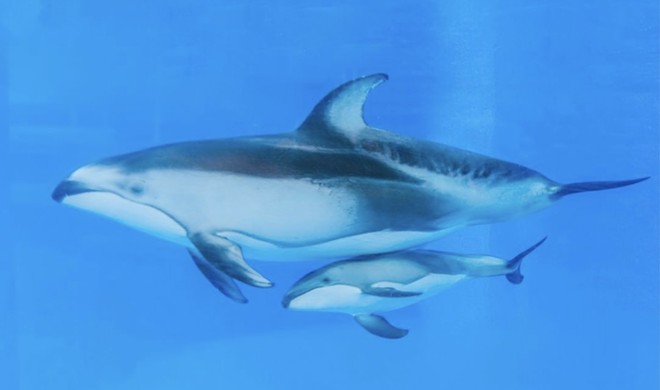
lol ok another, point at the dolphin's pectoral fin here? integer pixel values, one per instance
(337, 118)
(379, 326)
(219, 279)
(389, 292)
(226, 256)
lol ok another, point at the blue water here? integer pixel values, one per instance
(567, 88)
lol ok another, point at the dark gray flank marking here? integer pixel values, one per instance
(267, 157)
(444, 160)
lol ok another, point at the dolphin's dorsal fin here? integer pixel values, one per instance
(379, 326)
(338, 116)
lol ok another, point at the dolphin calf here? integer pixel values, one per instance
(376, 283)
(333, 188)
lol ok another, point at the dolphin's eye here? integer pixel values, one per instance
(137, 189)
(326, 280)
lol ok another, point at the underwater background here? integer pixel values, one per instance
(564, 87)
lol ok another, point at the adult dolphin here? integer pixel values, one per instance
(333, 188)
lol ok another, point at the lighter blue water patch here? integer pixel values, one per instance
(568, 89)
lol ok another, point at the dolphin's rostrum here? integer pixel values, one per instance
(333, 188)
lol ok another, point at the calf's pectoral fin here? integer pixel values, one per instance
(219, 279)
(389, 292)
(226, 256)
(379, 326)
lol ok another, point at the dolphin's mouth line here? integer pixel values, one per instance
(113, 205)
(286, 301)
(289, 297)
(71, 187)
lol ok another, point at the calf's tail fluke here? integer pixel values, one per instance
(515, 276)
(575, 188)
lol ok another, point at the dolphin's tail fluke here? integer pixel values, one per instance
(515, 276)
(575, 188)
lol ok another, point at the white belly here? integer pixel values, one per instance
(356, 245)
(349, 299)
(271, 220)
(280, 211)
(136, 215)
